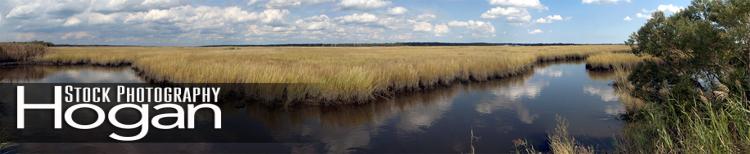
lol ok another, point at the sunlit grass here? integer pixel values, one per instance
(335, 74)
(611, 61)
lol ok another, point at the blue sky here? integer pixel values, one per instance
(205, 22)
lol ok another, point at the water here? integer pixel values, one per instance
(438, 121)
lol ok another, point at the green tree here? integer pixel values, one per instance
(705, 50)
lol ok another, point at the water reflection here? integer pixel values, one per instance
(436, 121)
(607, 94)
(68, 74)
(499, 111)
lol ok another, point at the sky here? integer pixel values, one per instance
(211, 22)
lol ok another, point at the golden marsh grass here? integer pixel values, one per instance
(611, 61)
(333, 74)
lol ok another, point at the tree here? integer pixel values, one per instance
(705, 49)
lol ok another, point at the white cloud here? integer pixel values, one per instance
(122, 5)
(24, 11)
(283, 3)
(426, 17)
(259, 30)
(666, 8)
(627, 18)
(514, 11)
(603, 1)
(252, 2)
(518, 3)
(77, 35)
(72, 21)
(479, 26)
(189, 18)
(423, 27)
(358, 18)
(162, 3)
(320, 22)
(271, 15)
(536, 31)
(364, 4)
(669, 8)
(292, 3)
(397, 10)
(99, 18)
(549, 19)
(511, 14)
(441, 29)
(438, 30)
(645, 14)
(267, 21)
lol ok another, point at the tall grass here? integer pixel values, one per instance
(560, 142)
(563, 143)
(690, 127)
(612, 61)
(623, 89)
(13, 52)
(334, 74)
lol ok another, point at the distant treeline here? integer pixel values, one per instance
(50, 44)
(35, 42)
(396, 44)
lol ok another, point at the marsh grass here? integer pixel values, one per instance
(563, 143)
(13, 52)
(690, 127)
(522, 146)
(613, 61)
(560, 142)
(334, 75)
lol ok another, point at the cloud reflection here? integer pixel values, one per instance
(508, 97)
(607, 94)
(548, 72)
(68, 74)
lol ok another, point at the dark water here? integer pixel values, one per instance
(438, 121)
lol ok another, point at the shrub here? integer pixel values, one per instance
(13, 52)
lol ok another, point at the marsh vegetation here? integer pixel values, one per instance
(333, 75)
(14, 52)
(694, 98)
(614, 61)
(697, 93)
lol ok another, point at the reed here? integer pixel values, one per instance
(690, 127)
(333, 75)
(612, 61)
(14, 52)
(563, 143)
(560, 142)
